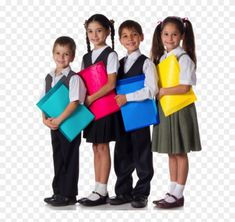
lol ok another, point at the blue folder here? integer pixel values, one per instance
(55, 102)
(139, 114)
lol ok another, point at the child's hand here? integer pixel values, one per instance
(56, 121)
(121, 100)
(161, 93)
(48, 123)
(88, 100)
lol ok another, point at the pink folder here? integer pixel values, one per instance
(95, 76)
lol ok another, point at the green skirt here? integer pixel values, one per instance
(177, 133)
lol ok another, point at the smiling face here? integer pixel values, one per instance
(97, 34)
(171, 36)
(130, 39)
(62, 56)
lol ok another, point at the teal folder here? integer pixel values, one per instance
(55, 102)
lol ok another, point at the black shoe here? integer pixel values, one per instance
(90, 203)
(120, 199)
(49, 199)
(139, 202)
(82, 200)
(60, 201)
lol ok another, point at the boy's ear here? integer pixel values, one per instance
(72, 58)
(142, 37)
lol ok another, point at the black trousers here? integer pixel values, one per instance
(133, 152)
(66, 164)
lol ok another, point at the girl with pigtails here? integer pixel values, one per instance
(102, 131)
(178, 133)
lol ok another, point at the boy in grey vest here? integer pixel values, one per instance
(65, 153)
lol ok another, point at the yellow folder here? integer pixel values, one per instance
(169, 72)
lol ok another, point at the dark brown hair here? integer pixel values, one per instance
(130, 24)
(105, 22)
(185, 28)
(65, 40)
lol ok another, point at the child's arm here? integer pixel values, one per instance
(48, 123)
(150, 86)
(121, 100)
(110, 85)
(176, 90)
(67, 112)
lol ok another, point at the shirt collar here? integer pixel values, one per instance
(99, 50)
(64, 72)
(177, 51)
(134, 55)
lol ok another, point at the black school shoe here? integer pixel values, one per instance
(91, 203)
(139, 201)
(49, 199)
(120, 199)
(59, 201)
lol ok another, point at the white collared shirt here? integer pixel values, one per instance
(150, 83)
(77, 89)
(187, 66)
(112, 61)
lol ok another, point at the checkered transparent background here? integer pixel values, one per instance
(27, 32)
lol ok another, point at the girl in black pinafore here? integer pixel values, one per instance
(104, 130)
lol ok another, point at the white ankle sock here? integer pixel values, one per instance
(172, 186)
(102, 189)
(178, 193)
(93, 196)
(99, 188)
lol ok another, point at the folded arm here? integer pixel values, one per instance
(67, 112)
(176, 90)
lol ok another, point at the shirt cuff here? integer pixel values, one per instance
(187, 82)
(72, 99)
(129, 97)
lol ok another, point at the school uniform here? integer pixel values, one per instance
(105, 129)
(133, 149)
(178, 133)
(65, 153)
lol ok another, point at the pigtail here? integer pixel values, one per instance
(189, 41)
(157, 49)
(87, 39)
(105, 22)
(112, 34)
(88, 43)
